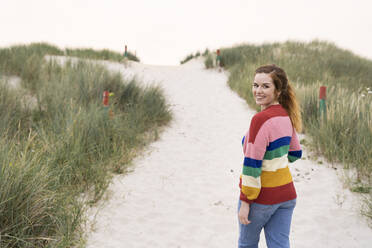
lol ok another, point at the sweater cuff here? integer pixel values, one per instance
(244, 198)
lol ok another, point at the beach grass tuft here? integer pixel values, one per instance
(58, 154)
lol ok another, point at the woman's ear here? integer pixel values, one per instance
(277, 94)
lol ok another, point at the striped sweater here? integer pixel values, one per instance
(270, 144)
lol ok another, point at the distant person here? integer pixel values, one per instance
(267, 193)
(218, 60)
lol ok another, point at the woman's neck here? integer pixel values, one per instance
(265, 107)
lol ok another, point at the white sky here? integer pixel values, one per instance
(165, 31)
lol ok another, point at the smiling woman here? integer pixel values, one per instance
(268, 196)
(264, 91)
(283, 92)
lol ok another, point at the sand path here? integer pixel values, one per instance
(183, 191)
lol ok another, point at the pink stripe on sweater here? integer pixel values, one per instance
(279, 127)
(271, 130)
(254, 151)
(295, 143)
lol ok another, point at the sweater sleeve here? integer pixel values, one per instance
(295, 151)
(254, 147)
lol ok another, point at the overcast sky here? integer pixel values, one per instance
(165, 31)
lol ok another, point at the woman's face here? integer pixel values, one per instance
(264, 90)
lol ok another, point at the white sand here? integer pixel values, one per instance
(183, 191)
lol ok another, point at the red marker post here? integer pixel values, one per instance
(322, 102)
(106, 96)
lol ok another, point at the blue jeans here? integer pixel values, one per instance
(276, 221)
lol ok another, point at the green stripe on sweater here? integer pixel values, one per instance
(250, 171)
(277, 153)
(292, 158)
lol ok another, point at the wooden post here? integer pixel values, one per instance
(322, 103)
(125, 59)
(125, 52)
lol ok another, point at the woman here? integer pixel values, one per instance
(267, 193)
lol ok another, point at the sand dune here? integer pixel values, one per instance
(183, 191)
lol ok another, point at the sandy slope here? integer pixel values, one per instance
(183, 191)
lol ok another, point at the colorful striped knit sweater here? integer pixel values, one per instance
(269, 145)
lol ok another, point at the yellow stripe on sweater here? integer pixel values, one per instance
(277, 178)
(250, 193)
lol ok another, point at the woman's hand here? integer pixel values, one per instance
(243, 213)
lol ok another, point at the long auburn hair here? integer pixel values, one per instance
(287, 97)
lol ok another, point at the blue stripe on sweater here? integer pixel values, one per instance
(283, 141)
(252, 162)
(297, 154)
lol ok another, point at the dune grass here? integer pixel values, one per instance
(193, 56)
(346, 136)
(103, 54)
(209, 61)
(306, 63)
(26, 60)
(57, 155)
